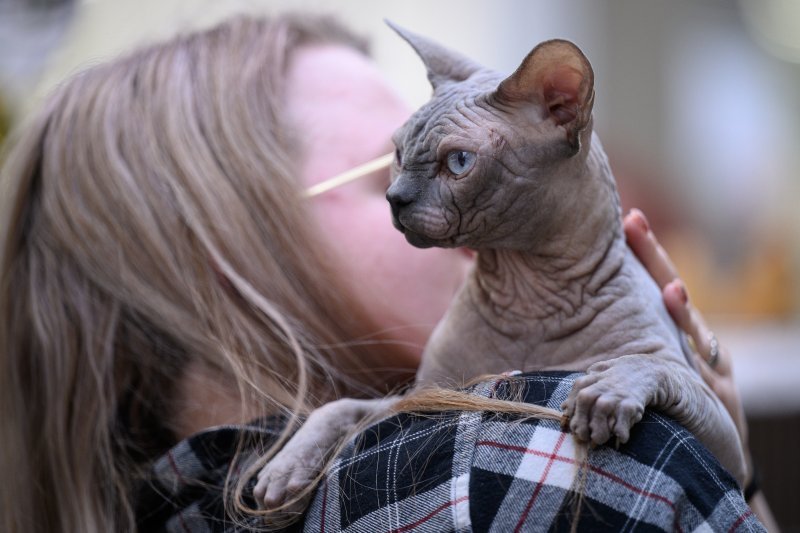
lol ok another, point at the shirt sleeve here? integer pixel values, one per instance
(494, 472)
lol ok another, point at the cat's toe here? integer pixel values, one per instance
(602, 411)
(581, 419)
(628, 413)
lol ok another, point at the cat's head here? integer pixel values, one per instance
(489, 160)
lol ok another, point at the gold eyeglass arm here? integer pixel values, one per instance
(349, 175)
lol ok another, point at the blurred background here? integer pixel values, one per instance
(698, 105)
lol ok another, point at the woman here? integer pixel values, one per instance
(162, 272)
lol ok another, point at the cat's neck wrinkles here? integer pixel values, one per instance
(522, 286)
(537, 296)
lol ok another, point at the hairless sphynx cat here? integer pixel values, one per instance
(510, 167)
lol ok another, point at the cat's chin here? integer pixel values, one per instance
(418, 241)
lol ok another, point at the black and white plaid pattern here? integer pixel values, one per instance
(474, 472)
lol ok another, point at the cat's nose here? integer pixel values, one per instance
(398, 198)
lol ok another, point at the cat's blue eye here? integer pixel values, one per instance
(460, 161)
(398, 157)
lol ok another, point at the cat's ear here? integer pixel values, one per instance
(443, 65)
(557, 77)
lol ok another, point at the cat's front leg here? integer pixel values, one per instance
(613, 394)
(303, 456)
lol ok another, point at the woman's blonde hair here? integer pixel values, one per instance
(152, 218)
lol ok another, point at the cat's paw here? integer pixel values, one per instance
(287, 475)
(287, 479)
(610, 398)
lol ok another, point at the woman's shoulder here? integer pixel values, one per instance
(184, 490)
(477, 471)
(481, 471)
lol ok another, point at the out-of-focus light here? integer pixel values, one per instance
(775, 24)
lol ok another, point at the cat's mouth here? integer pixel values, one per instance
(418, 240)
(421, 240)
(418, 234)
(415, 239)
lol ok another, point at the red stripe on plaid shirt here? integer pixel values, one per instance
(554, 457)
(174, 466)
(740, 520)
(550, 461)
(430, 515)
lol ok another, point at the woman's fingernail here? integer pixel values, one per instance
(684, 294)
(640, 220)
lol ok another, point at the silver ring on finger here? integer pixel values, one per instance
(713, 350)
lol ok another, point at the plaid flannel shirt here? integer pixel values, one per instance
(471, 472)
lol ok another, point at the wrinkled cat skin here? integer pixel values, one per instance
(554, 285)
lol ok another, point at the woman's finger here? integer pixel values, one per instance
(677, 302)
(686, 316)
(655, 259)
(689, 319)
(706, 373)
(644, 244)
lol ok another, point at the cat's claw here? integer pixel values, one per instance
(610, 398)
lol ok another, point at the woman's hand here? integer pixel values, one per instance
(716, 370)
